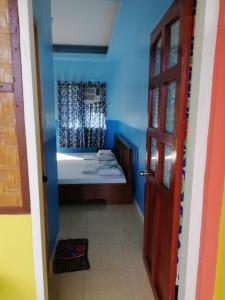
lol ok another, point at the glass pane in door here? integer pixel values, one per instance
(174, 44)
(170, 107)
(157, 64)
(155, 107)
(168, 159)
(153, 155)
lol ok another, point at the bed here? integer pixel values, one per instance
(74, 186)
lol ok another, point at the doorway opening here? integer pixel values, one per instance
(80, 104)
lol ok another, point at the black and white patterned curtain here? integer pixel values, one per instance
(81, 124)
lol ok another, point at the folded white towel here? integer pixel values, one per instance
(108, 164)
(90, 170)
(104, 151)
(105, 157)
(89, 157)
(109, 172)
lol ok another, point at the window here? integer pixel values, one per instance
(81, 114)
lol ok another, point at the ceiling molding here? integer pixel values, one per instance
(86, 49)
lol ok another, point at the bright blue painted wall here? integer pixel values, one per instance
(42, 15)
(130, 46)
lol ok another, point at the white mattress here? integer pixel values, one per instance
(70, 166)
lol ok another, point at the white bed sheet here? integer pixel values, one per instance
(70, 166)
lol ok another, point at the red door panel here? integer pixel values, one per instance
(152, 226)
(170, 55)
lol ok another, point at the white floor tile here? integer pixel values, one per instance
(115, 235)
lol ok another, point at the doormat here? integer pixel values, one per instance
(71, 255)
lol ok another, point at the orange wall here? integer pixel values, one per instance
(215, 170)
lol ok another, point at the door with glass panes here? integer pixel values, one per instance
(168, 84)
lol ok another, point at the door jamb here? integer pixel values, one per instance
(203, 64)
(33, 146)
(38, 76)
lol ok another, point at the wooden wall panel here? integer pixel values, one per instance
(14, 188)
(5, 59)
(6, 75)
(4, 16)
(10, 190)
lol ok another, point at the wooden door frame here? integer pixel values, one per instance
(38, 76)
(17, 88)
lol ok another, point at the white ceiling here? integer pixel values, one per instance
(83, 22)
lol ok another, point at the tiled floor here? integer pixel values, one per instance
(115, 253)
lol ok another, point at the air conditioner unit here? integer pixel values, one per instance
(92, 95)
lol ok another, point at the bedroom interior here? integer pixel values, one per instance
(101, 102)
(104, 149)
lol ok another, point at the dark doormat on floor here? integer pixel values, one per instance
(71, 255)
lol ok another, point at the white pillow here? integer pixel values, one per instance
(108, 164)
(109, 172)
(105, 157)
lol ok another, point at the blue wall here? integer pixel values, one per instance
(130, 46)
(42, 15)
(128, 57)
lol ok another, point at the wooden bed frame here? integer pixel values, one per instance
(112, 193)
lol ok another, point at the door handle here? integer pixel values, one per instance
(145, 173)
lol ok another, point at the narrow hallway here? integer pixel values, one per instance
(115, 254)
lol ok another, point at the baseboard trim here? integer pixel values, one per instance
(53, 253)
(139, 210)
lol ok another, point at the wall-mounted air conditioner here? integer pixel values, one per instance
(92, 95)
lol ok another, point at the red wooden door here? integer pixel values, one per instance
(170, 55)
